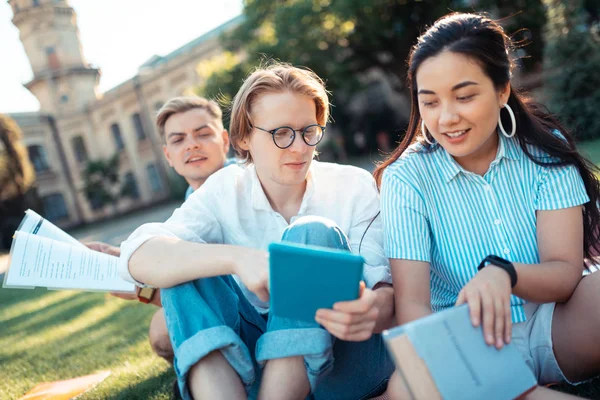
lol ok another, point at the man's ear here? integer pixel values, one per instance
(167, 155)
(244, 144)
(226, 142)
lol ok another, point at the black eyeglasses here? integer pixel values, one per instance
(284, 136)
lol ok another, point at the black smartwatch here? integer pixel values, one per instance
(501, 263)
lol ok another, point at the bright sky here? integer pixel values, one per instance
(116, 35)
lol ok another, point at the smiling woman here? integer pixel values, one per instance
(481, 164)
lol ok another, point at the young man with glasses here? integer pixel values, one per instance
(210, 257)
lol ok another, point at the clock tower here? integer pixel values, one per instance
(63, 81)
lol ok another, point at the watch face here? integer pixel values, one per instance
(146, 293)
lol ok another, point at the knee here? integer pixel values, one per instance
(159, 337)
(317, 231)
(396, 388)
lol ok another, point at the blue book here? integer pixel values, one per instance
(443, 356)
(305, 278)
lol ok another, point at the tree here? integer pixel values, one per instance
(572, 64)
(524, 21)
(16, 172)
(342, 41)
(102, 184)
(17, 180)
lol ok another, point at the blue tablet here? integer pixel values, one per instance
(305, 278)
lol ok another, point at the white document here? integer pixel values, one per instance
(43, 255)
(37, 225)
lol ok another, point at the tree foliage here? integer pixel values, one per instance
(102, 184)
(339, 40)
(524, 21)
(346, 42)
(572, 64)
(16, 171)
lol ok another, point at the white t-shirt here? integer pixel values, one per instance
(232, 208)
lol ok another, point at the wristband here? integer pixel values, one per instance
(501, 263)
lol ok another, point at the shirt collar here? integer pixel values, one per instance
(259, 198)
(507, 148)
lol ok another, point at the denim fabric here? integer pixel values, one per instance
(212, 314)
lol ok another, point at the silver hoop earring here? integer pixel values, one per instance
(512, 120)
(424, 133)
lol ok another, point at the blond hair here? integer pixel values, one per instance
(185, 103)
(278, 77)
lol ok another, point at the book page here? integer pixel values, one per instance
(35, 224)
(456, 357)
(40, 261)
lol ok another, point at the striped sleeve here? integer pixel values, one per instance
(405, 225)
(560, 187)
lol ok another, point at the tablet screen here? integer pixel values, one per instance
(305, 278)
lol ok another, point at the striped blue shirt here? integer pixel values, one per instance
(435, 211)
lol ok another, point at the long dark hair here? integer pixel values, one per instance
(482, 39)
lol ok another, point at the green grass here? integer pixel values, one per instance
(55, 335)
(48, 336)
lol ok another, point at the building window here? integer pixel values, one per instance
(158, 105)
(130, 187)
(64, 98)
(96, 201)
(139, 128)
(36, 3)
(79, 149)
(38, 158)
(154, 179)
(52, 58)
(116, 133)
(55, 207)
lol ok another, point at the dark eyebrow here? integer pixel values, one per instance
(175, 134)
(455, 87)
(201, 127)
(183, 134)
(463, 84)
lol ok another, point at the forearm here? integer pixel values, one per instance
(552, 281)
(385, 304)
(164, 262)
(407, 311)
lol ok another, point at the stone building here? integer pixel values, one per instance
(77, 124)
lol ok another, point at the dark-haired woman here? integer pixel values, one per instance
(487, 202)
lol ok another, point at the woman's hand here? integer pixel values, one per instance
(488, 297)
(351, 320)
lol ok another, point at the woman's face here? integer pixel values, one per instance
(460, 106)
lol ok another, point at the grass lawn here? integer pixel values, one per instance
(54, 335)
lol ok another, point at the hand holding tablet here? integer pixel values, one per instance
(304, 279)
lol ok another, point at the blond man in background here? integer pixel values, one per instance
(195, 144)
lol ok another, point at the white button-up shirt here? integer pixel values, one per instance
(232, 208)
